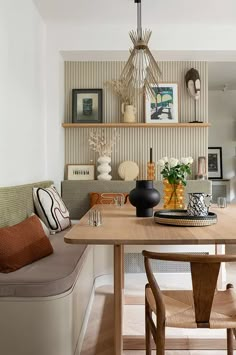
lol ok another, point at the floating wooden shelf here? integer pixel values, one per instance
(134, 125)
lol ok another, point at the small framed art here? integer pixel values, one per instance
(80, 172)
(215, 163)
(86, 105)
(163, 106)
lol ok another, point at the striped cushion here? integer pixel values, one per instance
(51, 209)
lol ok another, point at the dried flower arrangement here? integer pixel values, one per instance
(121, 89)
(100, 143)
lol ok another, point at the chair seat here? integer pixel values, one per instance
(180, 309)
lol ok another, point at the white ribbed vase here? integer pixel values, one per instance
(104, 168)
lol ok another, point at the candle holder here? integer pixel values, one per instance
(151, 168)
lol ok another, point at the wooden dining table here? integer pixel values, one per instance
(121, 227)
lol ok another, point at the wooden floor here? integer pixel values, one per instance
(99, 335)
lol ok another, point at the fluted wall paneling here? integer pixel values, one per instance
(134, 143)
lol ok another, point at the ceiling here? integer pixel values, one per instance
(153, 11)
(123, 12)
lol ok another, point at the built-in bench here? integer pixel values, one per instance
(44, 303)
(50, 276)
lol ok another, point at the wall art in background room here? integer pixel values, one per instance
(215, 163)
(80, 172)
(86, 105)
(163, 106)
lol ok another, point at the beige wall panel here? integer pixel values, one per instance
(134, 143)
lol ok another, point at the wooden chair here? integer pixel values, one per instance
(201, 307)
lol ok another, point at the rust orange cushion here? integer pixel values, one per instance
(22, 244)
(97, 198)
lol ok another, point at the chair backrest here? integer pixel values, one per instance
(204, 273)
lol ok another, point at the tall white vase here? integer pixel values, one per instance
(104, 168)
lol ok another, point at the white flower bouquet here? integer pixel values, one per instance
(174, 170)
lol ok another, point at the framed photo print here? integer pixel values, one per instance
(163, 106)
(86, 105)
(80, 172)
(215, 163)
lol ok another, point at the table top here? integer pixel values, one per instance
(121, 226)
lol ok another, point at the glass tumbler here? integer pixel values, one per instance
(221, 202)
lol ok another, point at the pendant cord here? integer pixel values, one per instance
(139, 19)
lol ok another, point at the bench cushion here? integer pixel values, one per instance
(49, 276)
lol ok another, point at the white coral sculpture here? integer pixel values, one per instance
(100, 143)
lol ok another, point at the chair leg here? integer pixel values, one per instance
(230, 342)
(160, 339)
(148, 313)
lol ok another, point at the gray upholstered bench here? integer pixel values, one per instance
(44, 303)
(50, 276)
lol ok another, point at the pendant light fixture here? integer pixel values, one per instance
(141, 72)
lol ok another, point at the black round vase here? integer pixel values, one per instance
(144, 197)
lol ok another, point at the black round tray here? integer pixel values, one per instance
(180, 218)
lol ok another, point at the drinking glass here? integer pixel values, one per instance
(221, 202)
(119, 200)
(95, 218)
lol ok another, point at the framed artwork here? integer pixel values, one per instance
(215, 163)
(163, 106)
(86, 105)
(80, 172)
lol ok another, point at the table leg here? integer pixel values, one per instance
(123, 266)
(118, 300)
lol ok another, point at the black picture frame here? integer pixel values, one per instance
(215, 163)
(86, 105)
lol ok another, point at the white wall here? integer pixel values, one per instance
(222, 133)
(55, 110)
(22, 93)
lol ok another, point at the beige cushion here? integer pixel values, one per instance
(50, 276)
